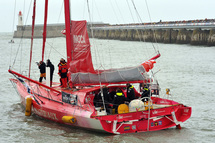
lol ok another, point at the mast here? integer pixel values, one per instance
(44, 28)
(69, 38)
(32, 36)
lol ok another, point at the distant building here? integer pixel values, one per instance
(20, 21)
(53, 30)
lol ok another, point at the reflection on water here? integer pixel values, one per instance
(187, 70)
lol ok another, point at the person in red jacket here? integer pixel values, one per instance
(63, 69)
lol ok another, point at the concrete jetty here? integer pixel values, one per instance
(177, 35)
(53, 30)
(194, 33)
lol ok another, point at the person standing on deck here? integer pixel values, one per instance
(145, 92)
(130, 91)
(49, 64)
(62, 71)
(119, 98)
(42, 67)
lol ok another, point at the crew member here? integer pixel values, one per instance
(130, 91)
(42, 67)
(98, 98)
(119, 98)
(146, 92)
(49, 64)
(63, 69)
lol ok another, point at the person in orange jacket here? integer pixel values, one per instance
(62, 71)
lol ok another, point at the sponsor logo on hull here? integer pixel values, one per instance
(45, 114)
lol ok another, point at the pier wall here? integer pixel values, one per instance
(196, 36)
(52, 31)
(177, 36)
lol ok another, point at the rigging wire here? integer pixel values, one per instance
(137, 31)
(92, 33)
(61, 9)
(153, 36)
(130, 10)
(13, 29)
(140, 21)
(117, 18)
(123, 20)
(96, 7)
(22, 35)
(95, 54)
(151, 21)
(56, 50)
(22, 41)
(97, 50)
(83, 12)
(100, 17)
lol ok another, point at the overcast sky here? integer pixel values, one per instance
(108, 11)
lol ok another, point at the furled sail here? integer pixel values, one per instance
(81, 60)
(81, 69)
(111, 76)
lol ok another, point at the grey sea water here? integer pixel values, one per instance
(187, 70)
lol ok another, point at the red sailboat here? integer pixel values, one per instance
(84, 103)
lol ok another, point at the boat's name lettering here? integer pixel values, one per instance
(164, 102)
(121, 117)
(45, 114)
(156, 111)
(79, 39)
(143, 116)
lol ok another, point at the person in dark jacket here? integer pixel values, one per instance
(145, 92)
(42, 67)
(98, 98)
(49, 64)
(119, 98)
(130, 91)
(106, 94)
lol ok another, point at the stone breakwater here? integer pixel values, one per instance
(180, 36)
(52, 31)
(196, 36)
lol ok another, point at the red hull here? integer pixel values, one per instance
(52, 108)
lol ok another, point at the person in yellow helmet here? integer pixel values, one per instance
(130, 91)
(119, 98)
(145, 92)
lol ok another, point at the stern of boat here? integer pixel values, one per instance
(141, 121)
